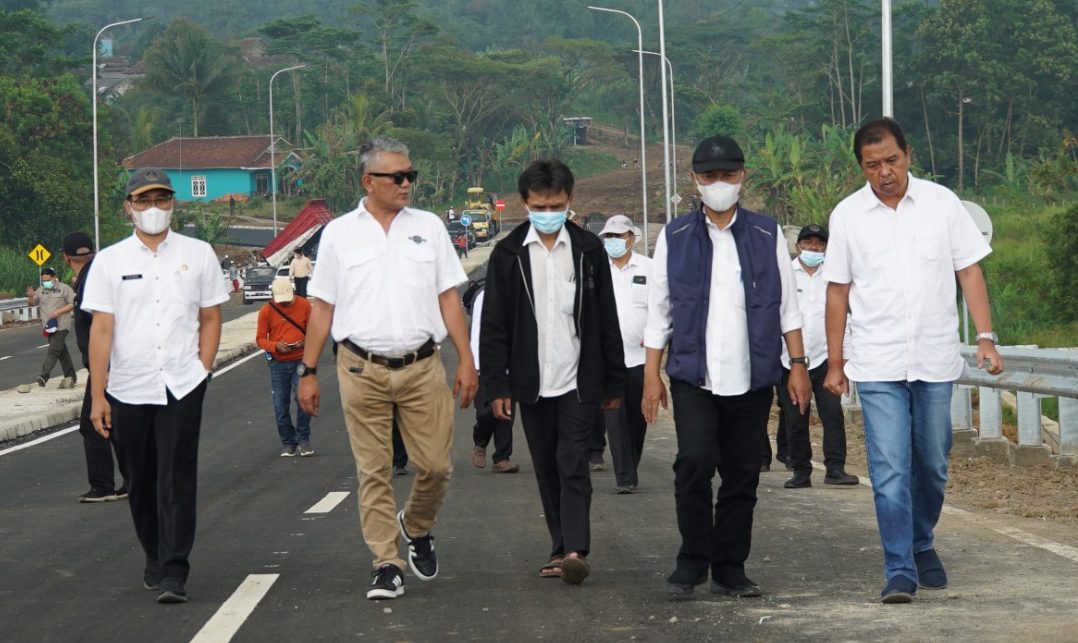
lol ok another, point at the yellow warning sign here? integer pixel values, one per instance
(40, 254)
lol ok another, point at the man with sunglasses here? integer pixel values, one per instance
(156, 301)
(386, 290)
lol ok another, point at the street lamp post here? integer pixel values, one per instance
(885, 77)
(643, 144)
(673, 120)
(666, 110)
(273, 156)
(93, 76)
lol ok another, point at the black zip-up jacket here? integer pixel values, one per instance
(509, 334)
(83, 319)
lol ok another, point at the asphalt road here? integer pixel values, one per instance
(22, 348)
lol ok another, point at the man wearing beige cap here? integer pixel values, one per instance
(156, 300)
(631, 273)
(282, 324)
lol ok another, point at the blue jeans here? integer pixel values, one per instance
(284, 386)
(908, 436)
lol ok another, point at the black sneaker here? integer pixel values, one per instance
(899, 589)
(741, 587)
(97, 495)
(121, 493)
(172, 591)
(682, 582)
(421, 557)
(387, 582)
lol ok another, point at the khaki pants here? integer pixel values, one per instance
(423, 403)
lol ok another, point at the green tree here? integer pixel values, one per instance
(720, 118)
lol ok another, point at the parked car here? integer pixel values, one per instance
(458, 229)
(256, 287)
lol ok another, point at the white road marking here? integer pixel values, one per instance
(329, 503)
(228, 619)
(43, 346)
(6, 357)
(74, 427)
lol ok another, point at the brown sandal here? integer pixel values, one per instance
(552, 569)
(574, 569)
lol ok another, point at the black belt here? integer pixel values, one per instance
(423, 352)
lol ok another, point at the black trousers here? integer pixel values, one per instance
(487, 426)
(626, 429)
(782, 446)
(829, 408)
(597, 439)
(301, 285)
(558, 430)
(99, 465)
(159, 443)
(723, 433)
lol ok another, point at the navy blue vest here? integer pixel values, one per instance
(688, 265)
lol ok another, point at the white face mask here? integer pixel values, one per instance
(153, 221)
(719, 196)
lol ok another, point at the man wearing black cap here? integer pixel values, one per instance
(78, 255)
(155, 298)
(56, 300)
(722, 295)
(812, 300)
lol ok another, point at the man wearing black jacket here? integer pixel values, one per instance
(550, 341)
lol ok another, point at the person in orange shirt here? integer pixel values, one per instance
(282, 325)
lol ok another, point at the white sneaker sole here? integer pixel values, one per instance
(411, 563)
(384, 594)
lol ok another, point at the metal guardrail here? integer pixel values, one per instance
(1032, 374)
(11, 304)
(17, 310)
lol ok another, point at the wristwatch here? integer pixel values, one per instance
(799, 360)
(303, 370)
(990, 336)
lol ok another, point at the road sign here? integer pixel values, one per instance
(40, 255)
(499, 205)
(676, 199)
(466, 220)
(981, 218)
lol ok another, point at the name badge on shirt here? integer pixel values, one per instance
(130, 277)
(640, 279)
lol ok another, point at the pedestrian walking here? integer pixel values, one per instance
(550, 342)
(487, 426)
(723, 296)
(897, 247)
(155, 298)
(386, 290)
(300, 268)
(811, 300)
(78, 251)
(282, 325)
(631, 276)
(56, 301)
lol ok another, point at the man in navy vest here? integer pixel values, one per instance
(723, 295)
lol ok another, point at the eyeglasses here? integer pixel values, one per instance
(157, 202)
(398, 177)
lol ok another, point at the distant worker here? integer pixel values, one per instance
(452, 213)
(300, 268)
(282, 325)
(56, 300)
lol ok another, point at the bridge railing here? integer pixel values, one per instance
(1030, 375)
(16, 310)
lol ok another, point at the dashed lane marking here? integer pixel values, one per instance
(232, 614)
(329, 503)
(43, 346)
(5, 357)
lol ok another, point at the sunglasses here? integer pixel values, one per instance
(398, 177)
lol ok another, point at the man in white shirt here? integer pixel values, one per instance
(811, 297)
(631, 274)
(300, 268)
(722, 295)
(386, 290)
(156, 301)
(896, 248)
(550, 342)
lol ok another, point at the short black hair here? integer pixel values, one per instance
(48, 271)
(546, 175)
(875, 131)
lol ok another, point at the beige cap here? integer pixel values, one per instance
(283, 290)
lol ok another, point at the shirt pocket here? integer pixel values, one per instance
(566, 297)
(417, 264)
(357, 260)
(639, 295)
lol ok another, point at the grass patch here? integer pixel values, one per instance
(17, 272)
(587, 163)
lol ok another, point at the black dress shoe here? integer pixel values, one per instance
(765, 467)
(839, 476)
(801, 480)
(741, 587)
(682, 582)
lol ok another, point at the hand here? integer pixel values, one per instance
(101, 415)
(799, 387)
(309, 395)
(654, 397)
(503, 408)
(836, 381)
(986, 351)
(30, 291)
(466, 383)
(612, 404)
(282, 347)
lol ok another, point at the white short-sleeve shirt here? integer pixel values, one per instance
(385, 286)
(155, 297)
(901, 266)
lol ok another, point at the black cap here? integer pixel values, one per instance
(48, 271)
(717, 153)
(147, 178)
(813, 230)
(78, 244)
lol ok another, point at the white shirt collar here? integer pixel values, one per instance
(730, 225)
(533, 237)
(631, 263)
(871, 201)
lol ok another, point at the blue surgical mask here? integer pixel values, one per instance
(811, 258)
(47, 284)
(615, 247)
(547, 222)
